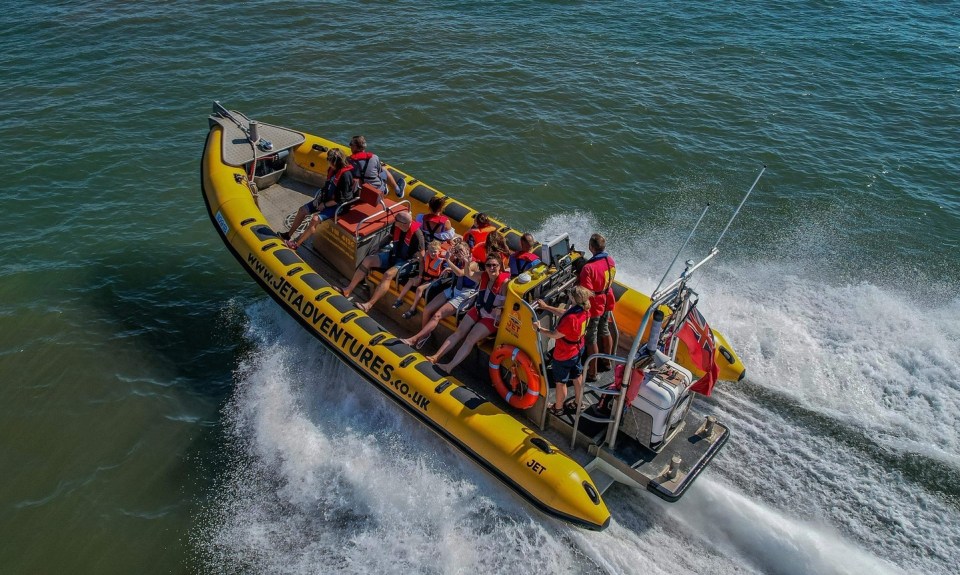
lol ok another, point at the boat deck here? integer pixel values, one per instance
(281, 201)
(628, 462)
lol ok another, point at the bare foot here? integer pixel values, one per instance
(444, 367)
(432, 358)
(364, 306)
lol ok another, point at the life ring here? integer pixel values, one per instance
(519, 360)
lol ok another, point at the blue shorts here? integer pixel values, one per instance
(326, 213)
(387, 261)
(566, 370)
(457, 298)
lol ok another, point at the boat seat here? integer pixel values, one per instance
(367, 214)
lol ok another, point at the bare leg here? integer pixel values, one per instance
(465, 326)
(605, 346)
(382, 288)
(391, 182)
(433, 305)
(312, 227)
(413, 282)
(301, 213)
(422, 289)
(592, 368)
(431, 324)
(367, 263)
(578, 388)
(561, 395)
(478, 332)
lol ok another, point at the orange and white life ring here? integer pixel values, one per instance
(519, 360)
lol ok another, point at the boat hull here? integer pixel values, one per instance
(526, 462)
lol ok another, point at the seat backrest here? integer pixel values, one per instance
(369, 214)
(370, 195)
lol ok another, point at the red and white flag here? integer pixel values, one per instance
(697, 336)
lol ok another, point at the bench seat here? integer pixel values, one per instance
(368, 214)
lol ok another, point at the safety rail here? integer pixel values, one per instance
(598, 391)
(387, 210)
(542, 416)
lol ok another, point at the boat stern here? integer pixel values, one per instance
(669, 472)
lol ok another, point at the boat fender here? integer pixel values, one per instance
(519, 360)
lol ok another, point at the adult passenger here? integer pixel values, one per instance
(407, 249)
(567, 366)
(483, 318)
(370, 170)
(437, 226)
(597, 276)
(336, 190)
(523, 259)
(476, 236)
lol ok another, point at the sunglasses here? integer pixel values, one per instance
(493, 266)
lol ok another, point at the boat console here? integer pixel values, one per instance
(561, 273)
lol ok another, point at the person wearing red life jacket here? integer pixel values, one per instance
(477, 236)
(523, 259)
(368, 169)
(452, 298)
(336, 190)
(437, 226)
(597, 276)
(567, 364)
(496, 243)
(407, 249)
(483, 318)
(434, 264)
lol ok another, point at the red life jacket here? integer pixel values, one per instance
(433, 226)
(329, 190)
(402, 249)
(475, 236)
(599, 272)
(522, 261)
(576, 318)
(361, 168)
(433, 266)
(486, 297)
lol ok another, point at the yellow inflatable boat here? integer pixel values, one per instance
(255, 175)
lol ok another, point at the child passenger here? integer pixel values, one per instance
(567, 363)
(433, 266)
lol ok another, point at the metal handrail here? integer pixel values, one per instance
(542, 419)
(386, 210)
(576, 419)
(657, 299)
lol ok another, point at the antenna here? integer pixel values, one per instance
(670, 267)
(737, 211)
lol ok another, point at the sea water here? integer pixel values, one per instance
(162, 414)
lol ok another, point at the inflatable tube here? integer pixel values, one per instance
(541, 473)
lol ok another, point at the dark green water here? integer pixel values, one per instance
(160, 414)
